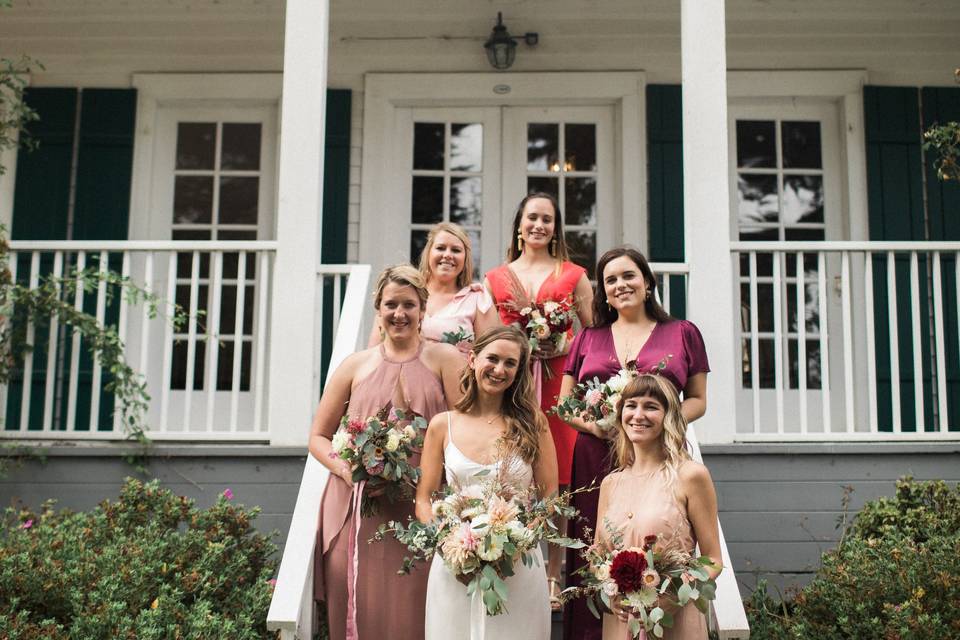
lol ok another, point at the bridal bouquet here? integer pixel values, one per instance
(549, 320)
(461, 339)
(640, 580)
(482, 530)
(379, 451)
(596, 401)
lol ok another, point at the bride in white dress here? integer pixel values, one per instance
(498, 422)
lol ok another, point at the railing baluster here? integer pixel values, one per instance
(778, 311)
(847, 315)
(894, 341)
(192, 338)
(122, 327)
(261, 340)
(33, 282)
(97, 374)
(801, 302)
(754, 343)
(145, 315)
(871, 342)
(916, 341)
(337, 289)
(238, 339)
(53, 342)
(824, 340)
(667, 299)
(944, 424)
(213, 337)
(74, 377)
(166, 379)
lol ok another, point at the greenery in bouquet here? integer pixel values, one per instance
(483, 529)
(595, 401)
(379, 450)
(461, 339)
(647, 582)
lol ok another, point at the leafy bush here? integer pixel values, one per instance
(148, 566)
(892, 577)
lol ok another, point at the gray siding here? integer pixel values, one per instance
(779, 504)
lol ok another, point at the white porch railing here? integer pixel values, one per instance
(849, 340)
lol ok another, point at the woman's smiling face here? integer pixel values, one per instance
(496, 366)
(399, 311)
(642, 419)
(447, 255)
(538, 222)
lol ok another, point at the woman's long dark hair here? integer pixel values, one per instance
(521, 411)
(603, 313)
(560, 253)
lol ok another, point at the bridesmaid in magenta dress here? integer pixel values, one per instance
(630, 325)
(538, 268)
(455, 304)
(404, 373)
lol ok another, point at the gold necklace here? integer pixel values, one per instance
(490, 421)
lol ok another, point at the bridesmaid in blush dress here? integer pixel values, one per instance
(658, 490)
(538, 269)
(404, 373)
(630, 326)
(455, 304)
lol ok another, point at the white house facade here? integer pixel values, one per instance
(258, 161)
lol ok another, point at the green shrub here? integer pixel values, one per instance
(892, 577)
(148, 566)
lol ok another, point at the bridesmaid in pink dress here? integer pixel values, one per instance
(539, 269)
(455, 304)
(404, 373)
(658, 490)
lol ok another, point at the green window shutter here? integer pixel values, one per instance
(665, 171)
(941, 105)
(336, 195)
(895, 203)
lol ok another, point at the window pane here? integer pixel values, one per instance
(812, 360)
(582, 246)
(475, 248)
(802, 199)
(543, 143)
(196, 143)
(757, 199)
(581, 201)
(178, 370)
(466, 147)
(756, 143)
(544, 185)
(581, 147)
(241, 147)
(225, 366)
(238, 200)
(428, 145)
(466, 200)
(427, 204)
(192, 199)
(802, 233)
(801, 145)
(418, 240)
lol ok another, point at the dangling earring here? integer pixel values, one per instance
(553, 246)
(519, 241)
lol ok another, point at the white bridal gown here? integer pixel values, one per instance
(451, 613)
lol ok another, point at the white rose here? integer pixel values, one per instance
(393, 441)
(340, 440)
(614, 400)
(409, 432)
(490, 552)
(603, 571)
(610, 588)
(550, 306)
(518, 532)
(617, 383)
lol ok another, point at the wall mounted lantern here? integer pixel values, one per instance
(502, 47)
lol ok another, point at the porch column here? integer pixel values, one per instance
(294, 350)
(706, 197)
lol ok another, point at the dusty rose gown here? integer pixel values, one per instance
(641, 505)
(388, 605)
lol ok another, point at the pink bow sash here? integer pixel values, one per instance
(353, 565)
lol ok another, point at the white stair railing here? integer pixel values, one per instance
(292, 606)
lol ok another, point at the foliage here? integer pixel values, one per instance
(15, 115)
(945, 139)
(892, 576)
(149, 565)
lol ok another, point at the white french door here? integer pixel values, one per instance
(472, 166)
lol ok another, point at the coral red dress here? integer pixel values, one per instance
(555, 287)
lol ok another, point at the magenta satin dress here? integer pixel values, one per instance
(388, 605)
(679, 346)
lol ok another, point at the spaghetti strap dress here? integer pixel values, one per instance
(450, 611)
(642, 505)
(555, 287)
(387, 605)
(676, 350)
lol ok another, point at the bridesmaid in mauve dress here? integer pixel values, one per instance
(630, 325)
(658, 490)
(404, 373)
(538, 269)
(455, 304)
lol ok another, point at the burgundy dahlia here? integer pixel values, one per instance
(627, 570)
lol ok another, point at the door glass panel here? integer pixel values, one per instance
(466, 147)
(581, 147)
(192, 200)
(581, 198)
(238, 200)
(756, 144)
(196, 145)
(466, 201)
(801, 145)
(543, 142)
(428, 145)
(427, 205)
(241, 146)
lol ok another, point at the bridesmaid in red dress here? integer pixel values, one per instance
(538, 268)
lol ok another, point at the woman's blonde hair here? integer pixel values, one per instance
(674, 435)
(520, 409)
(465, 277)
(405, 276)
